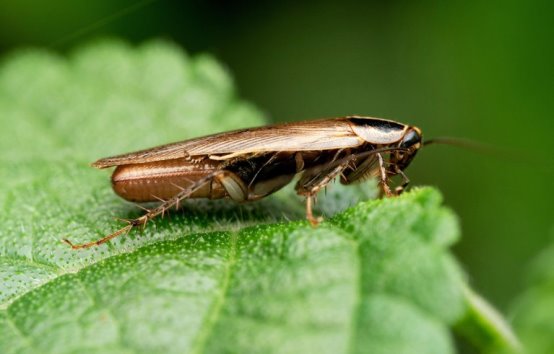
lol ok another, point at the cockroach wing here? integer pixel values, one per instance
(323, 134)
(378, 131)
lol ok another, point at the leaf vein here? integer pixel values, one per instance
(105, 307)
(26, 338)
(210, 323)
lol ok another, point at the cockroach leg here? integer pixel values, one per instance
(158, 198)
(125, 230)
(177, 205)
(163, 201)
(383, 177)
(269, 161)
(405, 181)
(299, 161)
(138, 206)
(179, 187)
(133, 223)
(233, 185)
(126, 221)
(313, 181)
(314, 221)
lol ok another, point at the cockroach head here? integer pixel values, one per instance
(408, 147)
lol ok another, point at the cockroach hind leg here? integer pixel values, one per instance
(131, 224)
(123, 220)
(141, 207)
(179, 187)
(166, 205)
(98, 242)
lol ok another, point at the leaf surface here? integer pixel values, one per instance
(533, 311)
(215, 277)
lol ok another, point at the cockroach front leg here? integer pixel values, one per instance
(383, 180)
(405, 181)
(159, 210)
(313, 181)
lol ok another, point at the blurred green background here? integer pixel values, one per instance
(481, 70)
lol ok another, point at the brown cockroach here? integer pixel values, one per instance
(250, 164)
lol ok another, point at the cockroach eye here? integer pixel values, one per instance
(410, 139)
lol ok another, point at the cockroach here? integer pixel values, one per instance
(250, 164)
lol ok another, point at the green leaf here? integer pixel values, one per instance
(214, 277)
(486, 328)
(534, 310)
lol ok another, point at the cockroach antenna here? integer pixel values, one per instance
(500, 152)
